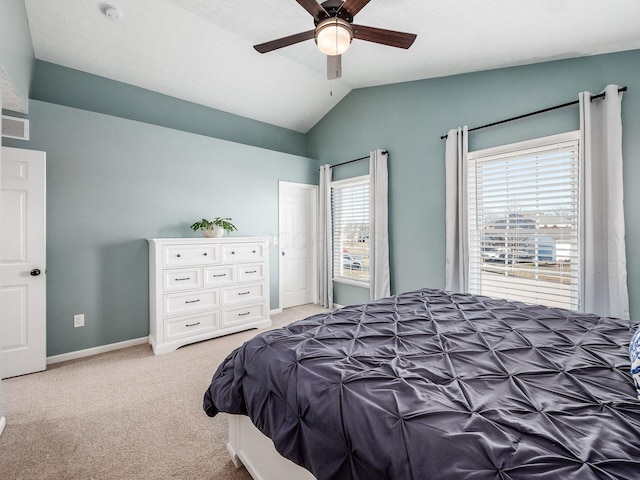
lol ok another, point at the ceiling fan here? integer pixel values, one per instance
(335, 30)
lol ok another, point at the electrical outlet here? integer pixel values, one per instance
(78, 320)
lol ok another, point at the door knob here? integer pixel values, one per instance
(35, 272)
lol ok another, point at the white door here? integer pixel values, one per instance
(297, 218)
(23, 287)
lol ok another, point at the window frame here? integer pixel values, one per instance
(475, 257)
(347, 182)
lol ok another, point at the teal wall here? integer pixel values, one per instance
(112, 183)
(409, 118)
(64, 86)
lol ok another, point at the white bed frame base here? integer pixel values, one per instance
(248, 446)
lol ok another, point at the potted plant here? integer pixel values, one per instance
(214, 228)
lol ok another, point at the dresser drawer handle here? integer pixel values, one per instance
(192, 324)
(178, 255)
(244, 293)
(205, 254)
(233, 252)
(251, 271)
(220, 275)
(182, 279)
(243, 314)
(192, 301)
(253, 251)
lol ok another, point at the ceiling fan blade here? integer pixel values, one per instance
(284, 42)
(384, 37)
(354, 6)
(334, 67)
(314, 8)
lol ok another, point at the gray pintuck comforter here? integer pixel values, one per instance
(431, 385)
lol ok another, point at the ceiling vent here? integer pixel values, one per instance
(13, 127)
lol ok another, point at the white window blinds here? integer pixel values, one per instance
(350, 213)
(524, 221)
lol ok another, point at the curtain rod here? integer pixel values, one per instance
(601, 95)
(355, 160)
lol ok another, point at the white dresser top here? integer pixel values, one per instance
(196, 240)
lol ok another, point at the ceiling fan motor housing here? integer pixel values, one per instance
(333, 9)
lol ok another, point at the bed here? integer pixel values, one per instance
(436, 385)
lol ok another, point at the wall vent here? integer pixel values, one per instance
(13, 127)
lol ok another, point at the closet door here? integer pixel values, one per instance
(297, 244)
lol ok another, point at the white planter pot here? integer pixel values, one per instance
(215, 232)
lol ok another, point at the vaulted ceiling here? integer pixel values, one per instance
(201, 50)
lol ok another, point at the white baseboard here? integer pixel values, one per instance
(3, 422)
(337, 305)
(275, 312)
(96, 350)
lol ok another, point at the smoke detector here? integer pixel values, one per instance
(112, 13)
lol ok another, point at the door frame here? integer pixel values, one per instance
(3, 421)
(313, 234)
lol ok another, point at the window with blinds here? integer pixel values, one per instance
(350, 216)
(524, 221)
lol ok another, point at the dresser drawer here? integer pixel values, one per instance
(244, 314)
(181, 279)
(251, 293)
(251, 272)
(219, 275)
(242, 252)
(178, 255)
(186, 302)
(192, 325)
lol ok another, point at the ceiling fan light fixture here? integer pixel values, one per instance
(333, 36)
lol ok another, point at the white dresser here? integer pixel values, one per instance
(206, 287)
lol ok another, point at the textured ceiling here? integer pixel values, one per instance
(201, 50)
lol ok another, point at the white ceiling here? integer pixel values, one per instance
(201, 50)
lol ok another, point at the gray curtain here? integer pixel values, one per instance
(604, 261)
(379, 276)
(456, 229)
(325, 240)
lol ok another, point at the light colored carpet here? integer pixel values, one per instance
(125, 414)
